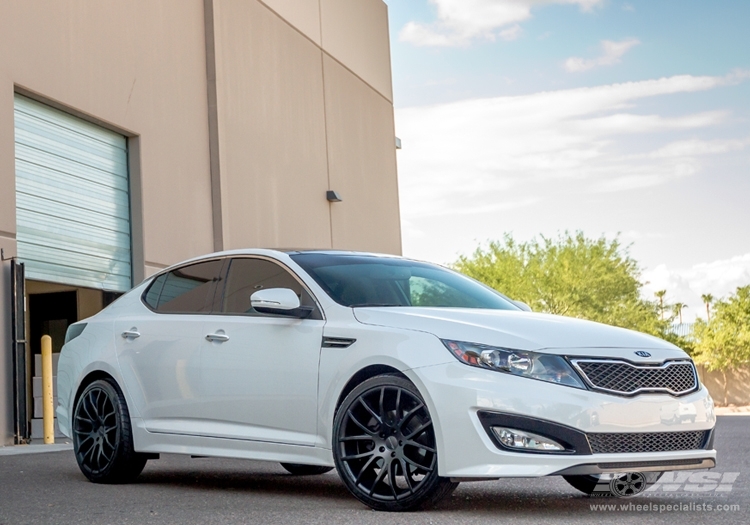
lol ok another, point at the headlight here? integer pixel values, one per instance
(544, 367)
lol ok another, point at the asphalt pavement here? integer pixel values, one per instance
(48, 489)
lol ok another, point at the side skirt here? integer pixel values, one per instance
(155, 443)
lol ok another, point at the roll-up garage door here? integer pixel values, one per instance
(72, 203)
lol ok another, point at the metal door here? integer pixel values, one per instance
(72, 199)
(19, 347)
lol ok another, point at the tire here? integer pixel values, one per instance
(305, 470)
(102, 435)
(601, 485)
(385, 449)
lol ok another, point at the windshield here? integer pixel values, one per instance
(367, 280)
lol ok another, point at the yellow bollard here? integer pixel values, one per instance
(48, 409)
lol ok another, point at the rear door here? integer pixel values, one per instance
(260, 376)
(159, 347)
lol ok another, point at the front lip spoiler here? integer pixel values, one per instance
(638, 466)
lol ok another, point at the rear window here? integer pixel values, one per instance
(190, 289)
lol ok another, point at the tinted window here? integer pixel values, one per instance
(360, 280)
(247, 276)
(153, 292)
(190, 289)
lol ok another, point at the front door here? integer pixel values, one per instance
(260, 375)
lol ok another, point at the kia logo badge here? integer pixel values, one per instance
(643, 353)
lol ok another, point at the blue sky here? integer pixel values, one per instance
(537, 116)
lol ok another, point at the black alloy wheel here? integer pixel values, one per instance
(384, 446)
(102, 437)
(305, 470)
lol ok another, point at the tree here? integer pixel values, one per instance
(723, 343)
(569, 275)
(677, 308)
(660, 295)
(708, 299)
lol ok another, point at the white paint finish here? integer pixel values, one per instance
(280, 298)
(521, 331)
(161, 367)
(227, 448)
(455, 392)
(257, 394)
(261, 383)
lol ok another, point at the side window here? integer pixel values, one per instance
(247, 276)
(154, 291)
(191, 289)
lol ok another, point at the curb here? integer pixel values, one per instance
(17, 450)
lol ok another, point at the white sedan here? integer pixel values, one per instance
(407, 377)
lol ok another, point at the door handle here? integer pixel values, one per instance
(219, 338)
(131, 334)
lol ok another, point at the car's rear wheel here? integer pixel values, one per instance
(102, 437)
(305, 470)
(384, 446)
(618, 485)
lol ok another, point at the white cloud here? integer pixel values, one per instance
(477, 155)
(462, 21)
(512, 33)
(697, 147)
(719, 278)
(612, 52)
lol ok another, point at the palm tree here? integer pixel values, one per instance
(708, 299)
(660, 295)
(678, 308)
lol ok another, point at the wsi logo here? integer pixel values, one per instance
(642, 353)
(695, 482)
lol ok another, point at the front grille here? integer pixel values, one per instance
(621, 377)
(623, 443)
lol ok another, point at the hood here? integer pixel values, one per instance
(522, 331)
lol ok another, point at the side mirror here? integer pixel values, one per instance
(279, 301)
(523, 306)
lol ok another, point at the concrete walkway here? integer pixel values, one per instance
(16, 450)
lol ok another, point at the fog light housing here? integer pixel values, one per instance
(522, 440)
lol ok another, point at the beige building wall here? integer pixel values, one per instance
(272, 143)
(362, 163)
(355, 32)
(296, 118)
(137, 67)
(727, 388)
(234, 139)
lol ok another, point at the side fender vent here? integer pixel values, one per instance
(338, 342)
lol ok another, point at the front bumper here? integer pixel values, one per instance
(457, 395)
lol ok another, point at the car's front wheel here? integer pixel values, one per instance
(384, 446)
(102, 437)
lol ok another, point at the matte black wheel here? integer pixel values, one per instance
(102, 438)
(305, 470)
(384, 446)
(618, 485)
